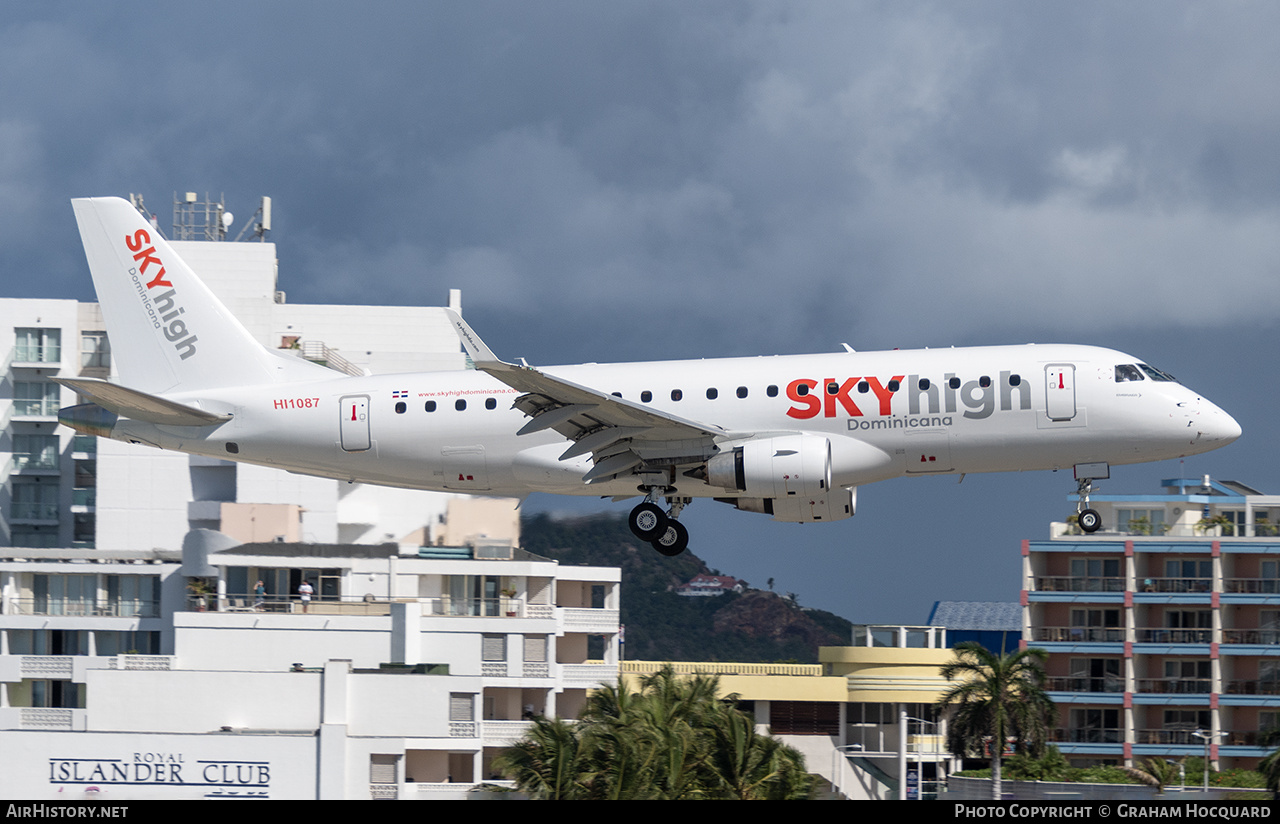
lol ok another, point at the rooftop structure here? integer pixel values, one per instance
(1162, 628)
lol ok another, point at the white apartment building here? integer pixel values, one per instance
(403, 674)
(61, 489)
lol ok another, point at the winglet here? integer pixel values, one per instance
(481, 355)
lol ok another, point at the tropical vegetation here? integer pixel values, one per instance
(995, 700)
(673, 739)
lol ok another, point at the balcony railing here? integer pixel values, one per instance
(1175, 686)
(84, 607)
(1255, 586)
(1176, 585)
(27, 511)
(46, 354)
(1089, 736)
(26, 408)
(1258, 686)
(1110, 635)
(1251, 636)
(1069, 583)
(27, 461)
(1080, 683)
(1183, 737)
(1166, 635)
(501, 607)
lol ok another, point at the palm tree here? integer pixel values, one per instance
(675, 738)
(547, 763)
(997, 698)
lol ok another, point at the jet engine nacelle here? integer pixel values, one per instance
(788, 477)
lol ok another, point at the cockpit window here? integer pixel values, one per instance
(1127, 372)
(1156, 374)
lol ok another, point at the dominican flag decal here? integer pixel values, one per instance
(400, 393)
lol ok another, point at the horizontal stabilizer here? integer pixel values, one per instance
(139, 406)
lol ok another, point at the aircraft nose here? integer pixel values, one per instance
(1213, 425)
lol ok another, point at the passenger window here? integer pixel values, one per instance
(772, 391)
(833, 388)
(864, 387)
(431, 406)
(712, 394)
(924, 384)
(401, 407)
(490, 403)
(984, 381)
(1015, 380)
(802, 389)
(742, 391)
(894, 386)
(646, 396)
(954, 383)
(676, 394)
(460, 405)
(617, 394)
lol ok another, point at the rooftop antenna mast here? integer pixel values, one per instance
(196, 219)
(260, 221)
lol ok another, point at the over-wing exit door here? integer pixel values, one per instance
(1060, 391)
(354, 426)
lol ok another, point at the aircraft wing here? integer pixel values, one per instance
(619, 434)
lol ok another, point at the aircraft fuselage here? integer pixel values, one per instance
(933, 411)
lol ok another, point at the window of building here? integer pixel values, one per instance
(35, 452)
(35, 398)
(95, 350)
(1096, 575)
(804, 717)
(493, 648)
(1096, 675)
(34, 499)
(1095, 725)
(38, 345)
(462, 706)
(535, 649)
(1141, 521)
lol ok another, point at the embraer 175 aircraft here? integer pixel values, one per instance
(788, 436)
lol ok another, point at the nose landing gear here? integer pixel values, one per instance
(1089, 520)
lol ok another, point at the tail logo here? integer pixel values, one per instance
(163, 308)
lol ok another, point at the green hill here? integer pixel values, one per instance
(753, 627)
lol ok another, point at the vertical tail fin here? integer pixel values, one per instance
(168, 331)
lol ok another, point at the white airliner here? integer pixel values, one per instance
(789, 436)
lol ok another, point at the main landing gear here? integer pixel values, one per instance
(660, 529)
(1087, 519)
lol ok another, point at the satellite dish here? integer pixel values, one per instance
(227, 219)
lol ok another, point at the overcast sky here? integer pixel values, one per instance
(644, 180)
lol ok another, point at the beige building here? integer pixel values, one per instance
(864, 717)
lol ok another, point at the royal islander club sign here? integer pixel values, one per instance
(212, 777)
(113, 766)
